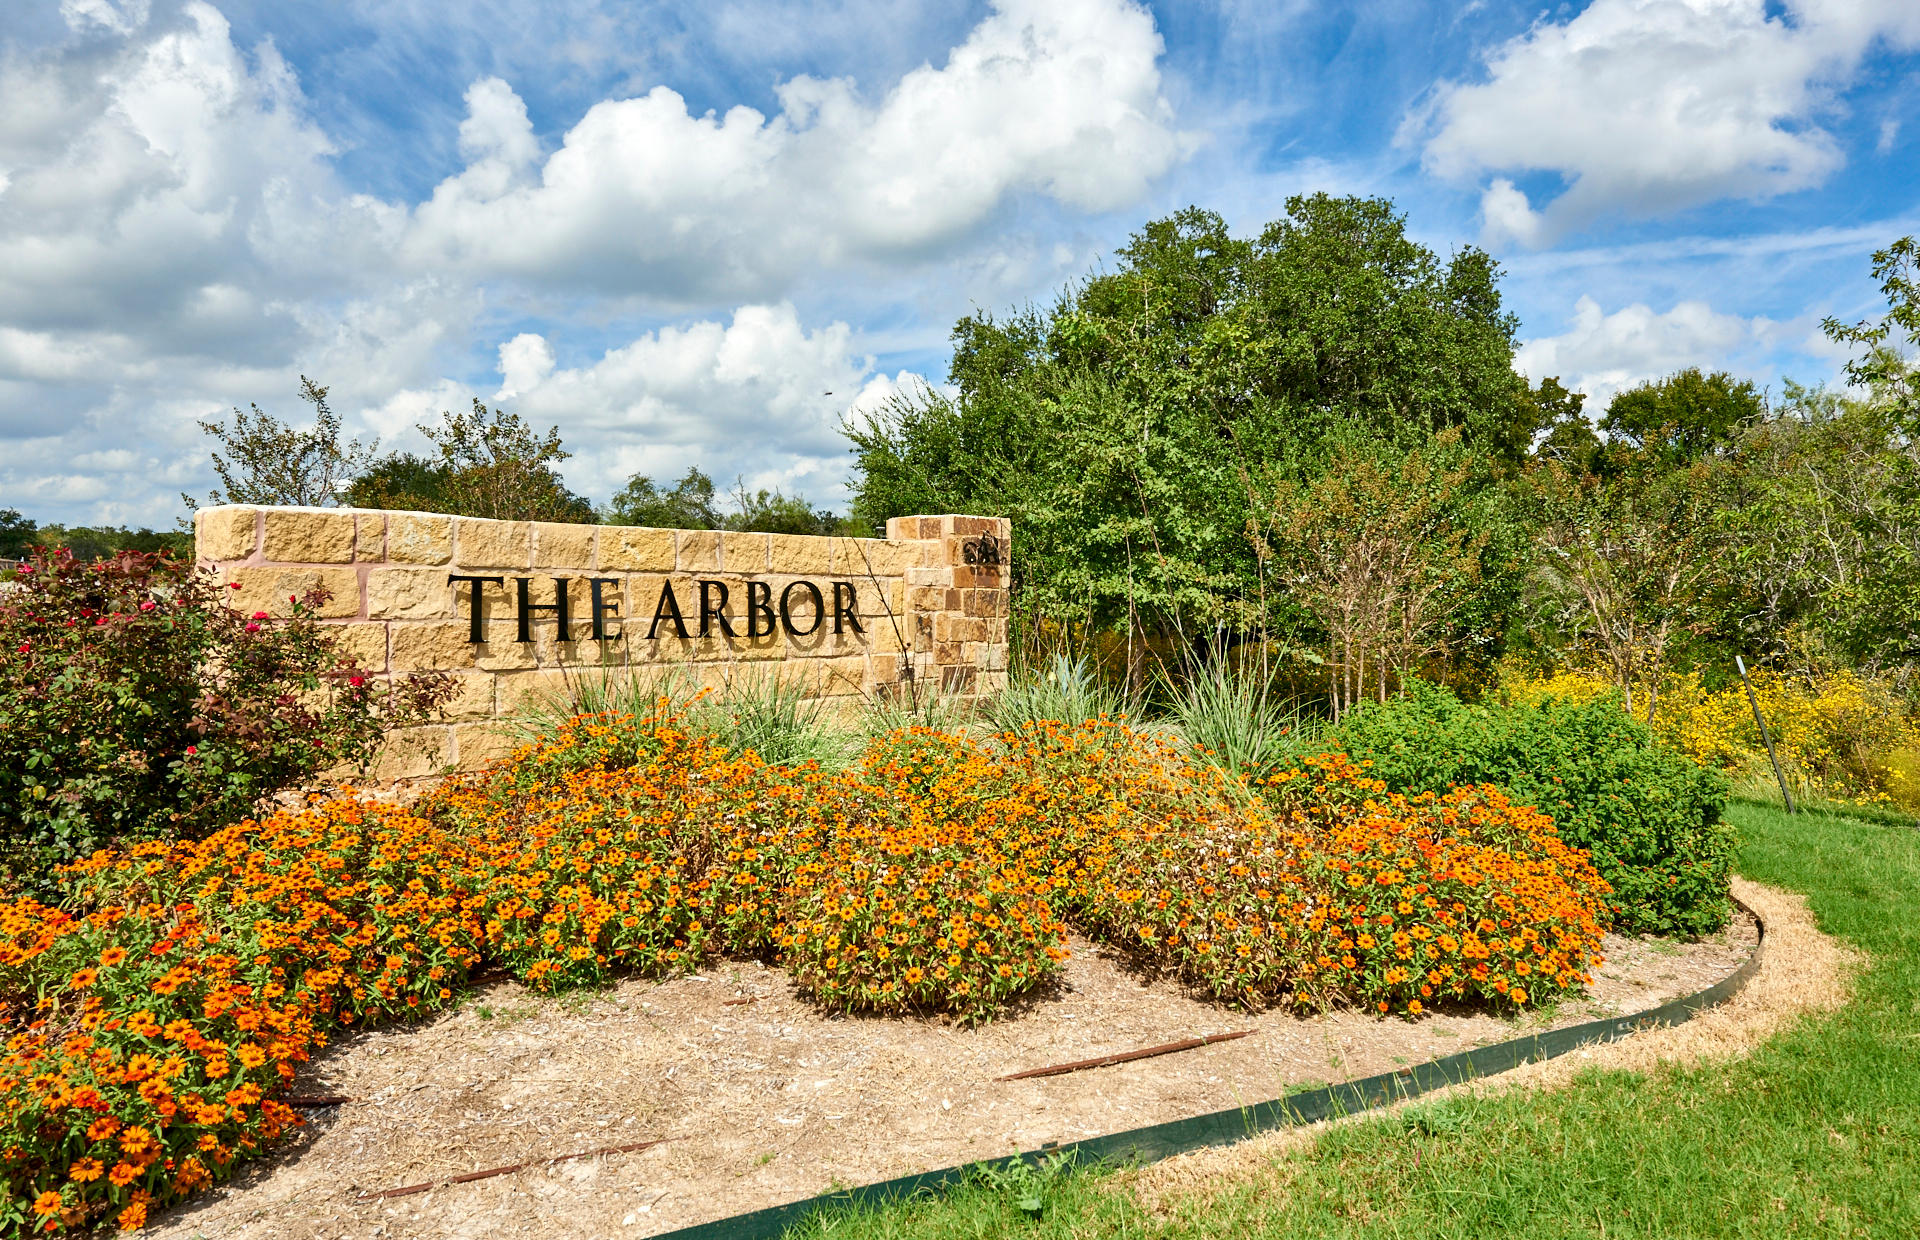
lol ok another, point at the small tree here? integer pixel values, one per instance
(773, 512)
(16, 534)
(1685, 416)
(1380, 551)
(1628, 562)
(1885, 367)
(488, 463)
(268, 461)
(501, 468)
(688, 506)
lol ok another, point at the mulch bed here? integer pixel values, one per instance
(766, 1099)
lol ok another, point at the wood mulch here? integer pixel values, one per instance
(772, 1100)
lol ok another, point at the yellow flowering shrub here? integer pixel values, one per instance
(1843, 735)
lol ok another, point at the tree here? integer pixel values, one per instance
(773, 512)
(1885, 368)
(268, 461)
(1128, 429)
(404, 481)
(691, 505)
(1382, 549)
(688, 506)
(16, 534)
(1627, 562)
(490, 464)
(1684, 416)
(1564, 433)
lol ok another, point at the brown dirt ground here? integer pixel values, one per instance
(773, 1100)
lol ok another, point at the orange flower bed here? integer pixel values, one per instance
(149, 1034)
(151, 1028)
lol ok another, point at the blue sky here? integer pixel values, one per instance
(703, 233)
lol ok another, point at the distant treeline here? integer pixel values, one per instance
(88, 542)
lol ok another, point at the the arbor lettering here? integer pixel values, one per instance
(801, 610)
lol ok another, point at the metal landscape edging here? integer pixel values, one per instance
(1158, 1141)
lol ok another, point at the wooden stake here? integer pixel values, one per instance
(1764, 734)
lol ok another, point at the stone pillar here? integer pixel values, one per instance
(957, 598)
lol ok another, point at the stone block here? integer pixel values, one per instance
(308, 536)
(520, 693)
(563, 545)
(872, 599)
(225, 533)
(473, 696)
(982, 603)
(477, 746)
(898, 557)
(948, 627)
(643, 595)
(419, 538)
(936, 576)
(746, 553)
(839, 676)
(492, 544)
(886, 636)
(412, 752)
(370, 537)
(625, 548)
(800, 554)
(697, 551)
(268, 589)
(958, 679)
(361, 643)
(979, 578)
(414, 594)
(439, 646)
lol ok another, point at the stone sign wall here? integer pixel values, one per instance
(516, 611)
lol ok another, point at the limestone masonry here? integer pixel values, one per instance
(411, 592)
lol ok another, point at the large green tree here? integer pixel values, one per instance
(1135, 430)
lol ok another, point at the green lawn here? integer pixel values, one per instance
(1818, 1134)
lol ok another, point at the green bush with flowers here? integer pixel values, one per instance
(136, 704)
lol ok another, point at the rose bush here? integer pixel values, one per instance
(136, 704)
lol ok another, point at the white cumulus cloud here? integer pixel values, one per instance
(1053, 97)
(1602, 353)
(1646, 107)
(759, 395)
(176, 239)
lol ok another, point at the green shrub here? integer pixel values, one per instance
(1651, 818)
(135, 704)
